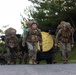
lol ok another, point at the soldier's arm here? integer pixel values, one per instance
(72, 35)
(24, 37)
(58, 28)
(40, 35)
(57, 37)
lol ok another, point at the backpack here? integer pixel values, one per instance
(27, 25)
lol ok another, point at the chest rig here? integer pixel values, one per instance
(12, 42)
(65, 36)
(33, 35)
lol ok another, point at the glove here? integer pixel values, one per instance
(41, 48)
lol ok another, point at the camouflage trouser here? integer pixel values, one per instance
(11, 56)
(65, 49)
(32, 50)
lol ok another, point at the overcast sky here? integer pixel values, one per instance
(10, 13)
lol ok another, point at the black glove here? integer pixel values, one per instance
(41, 48)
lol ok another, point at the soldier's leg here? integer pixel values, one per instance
(8, 55)
(19, 57)
(68, 47)
(67, 54)
(14, 61)
(13, 57)
(32, 52)
(63, 52)
(25, 57)
(31, 55)
(64, 58)
(54, 58)
(35, 47)
(20, 60)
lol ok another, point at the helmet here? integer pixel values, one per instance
(62, 22)
(12, 32)
(34, 23)
(61, 25)
(68, 25)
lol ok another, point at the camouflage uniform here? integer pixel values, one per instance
(32, 36)
(65, 38)
(11, 43)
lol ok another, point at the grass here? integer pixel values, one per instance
(72, 55)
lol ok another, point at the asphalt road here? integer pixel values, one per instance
(51, 69)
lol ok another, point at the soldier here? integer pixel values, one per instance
(11, 43)
(65, 38)
(32, 37)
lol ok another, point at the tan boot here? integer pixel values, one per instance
(65, 61)
(8, 62)
(31, 61)
(35, 62)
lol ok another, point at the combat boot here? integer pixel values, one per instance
(35, 62)
(31, 61)
(65, 61)
(8, 62)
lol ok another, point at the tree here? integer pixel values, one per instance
(49, 13)
(1, 31)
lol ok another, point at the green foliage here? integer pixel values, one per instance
(1, 31)
(2, 48)
(72, 56)
(49, 13)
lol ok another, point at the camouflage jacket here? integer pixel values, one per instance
(32, 35)
(9, 41)
(63, 36)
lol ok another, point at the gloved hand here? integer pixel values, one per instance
(41, 48)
